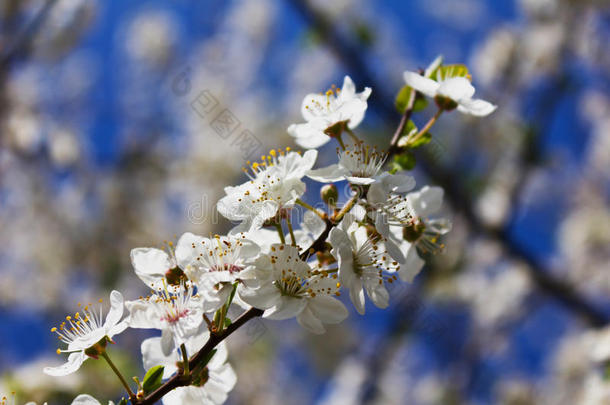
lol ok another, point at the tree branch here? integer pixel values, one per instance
(181, 380)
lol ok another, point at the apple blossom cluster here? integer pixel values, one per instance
(284, 258)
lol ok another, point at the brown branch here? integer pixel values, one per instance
(181, 380)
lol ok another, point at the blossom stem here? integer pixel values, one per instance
(340, 142)
(289, 225)
(426, 127)
(310, 208)
(185, 359)
(346, 208)
(403, 121)
(280, 232)
(104, 354)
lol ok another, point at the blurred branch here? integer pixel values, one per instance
(23, 41)
(542, 276)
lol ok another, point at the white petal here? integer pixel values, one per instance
(356, 294)
(75, 360)
(328, 309)
(307, 136)
(150, 265)
(310, 322)
(456, 88)
(360, 180)
(167, 342)
(85, 399)
(422, 84)
(476, 107)
(328, 174)
(286, 308)
(152, 356)
(185, 253)
(265, 297)
(143, 315)
(116, 310)
(427, 201)
(379, 295)
(412, 266)
(394, 251)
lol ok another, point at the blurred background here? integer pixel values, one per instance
(109, 140)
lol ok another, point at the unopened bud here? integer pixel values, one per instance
(329, 195)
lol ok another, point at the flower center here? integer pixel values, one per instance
(79, 325)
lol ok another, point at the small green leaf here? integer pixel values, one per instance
(420, 103)
(410, 128)
(423, 140)
(227, 322)
(404, 161)
(402, 99)
(152, 379)
(123, 401)
(449, 71)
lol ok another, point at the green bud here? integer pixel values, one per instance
(329, 195)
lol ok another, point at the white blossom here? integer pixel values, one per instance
(456, 89)
(274, 184)
(289, 288)
(86, 329)
(358, 164)
(322, 112)
(214, 264)
(361, 263)
(175, 309)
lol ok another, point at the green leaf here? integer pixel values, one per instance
(404, 161)
(449, 71)
(402, 99)
(409, 128)
(152, 379)
(123, 401)
(227, 322)
(420, 103)
(423, 140)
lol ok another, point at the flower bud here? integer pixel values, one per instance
(329, 195)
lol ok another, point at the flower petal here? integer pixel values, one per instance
(85, 399)
(422, 84)
(116, 310)
(328, 309)
(456, 88)
(412, 266)
(310, 322)
(75, 360)
(328, 174)
(286, 308)
(152, 356)
(150, 265)
(476, 107)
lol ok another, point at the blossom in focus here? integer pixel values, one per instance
(214, 264)
(274, 184)
(218, 375)
(175, 309)
(289, 288)
(358, 164)
(450, 92)
(328, 114)
(86, 334)
(361, 263)
(152, 266)
(409, 224)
